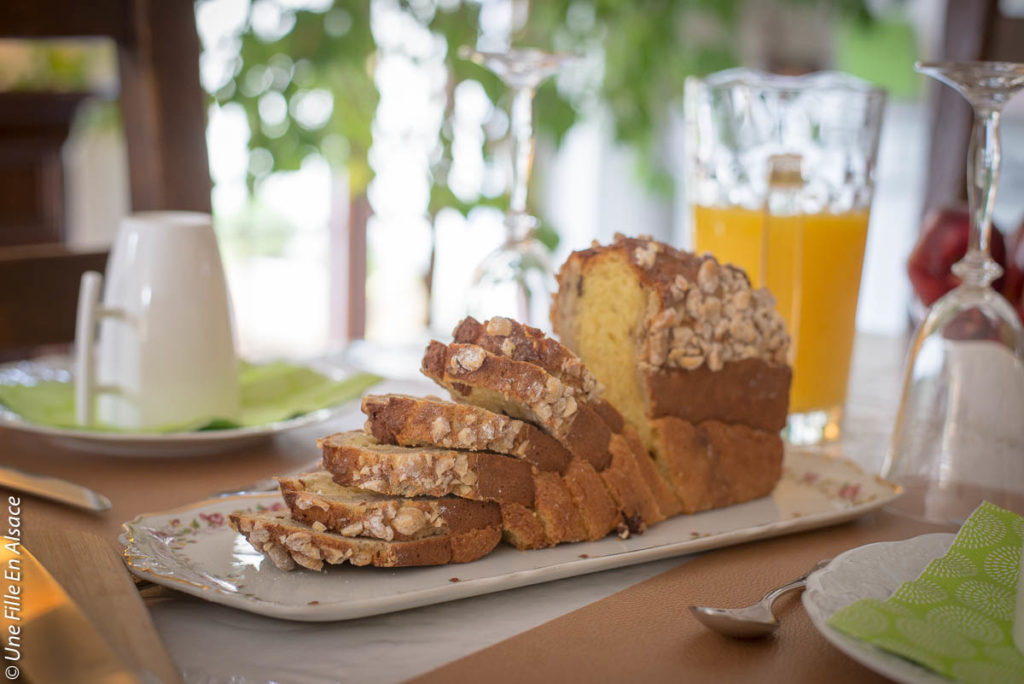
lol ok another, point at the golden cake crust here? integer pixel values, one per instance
(590, 495)
(522, 528)
(561, 519)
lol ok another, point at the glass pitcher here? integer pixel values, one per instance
(779, 180)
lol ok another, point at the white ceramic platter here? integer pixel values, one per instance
(192, 549)
(199, 443)
(873, 571)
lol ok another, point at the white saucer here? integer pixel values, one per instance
(143, 445)
(873, 571)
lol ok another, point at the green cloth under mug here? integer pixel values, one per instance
(270, 392)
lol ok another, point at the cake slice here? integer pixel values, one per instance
(412, 421)
(318, 501)
(355, 459)
(522, 528)
(556, 509)
(597, 508)
(514, 340)
(668, 501)
(521, 390)
(526, 390)
(415, 421)
(289, 543)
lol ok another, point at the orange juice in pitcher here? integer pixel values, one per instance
(780, 174)
(812, 266)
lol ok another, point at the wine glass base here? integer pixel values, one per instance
(949, 503)
(813, 427)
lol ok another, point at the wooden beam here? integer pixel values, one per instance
(162, 105)
(65, 18)
(360, 212)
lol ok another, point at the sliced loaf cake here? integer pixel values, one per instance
(676, 337)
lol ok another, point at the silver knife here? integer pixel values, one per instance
(54, 488)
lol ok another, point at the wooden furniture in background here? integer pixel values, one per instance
(33, 128)
(161, 99)
(39, 295)
(162, 108)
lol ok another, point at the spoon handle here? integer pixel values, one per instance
(800, 581)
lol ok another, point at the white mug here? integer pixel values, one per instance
(166, 350)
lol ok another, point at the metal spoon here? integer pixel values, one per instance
(753, 621)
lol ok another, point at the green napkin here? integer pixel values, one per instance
(957, 617)
(269, 392)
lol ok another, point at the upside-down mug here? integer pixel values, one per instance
(164, 355)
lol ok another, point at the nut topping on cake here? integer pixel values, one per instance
(727, 320)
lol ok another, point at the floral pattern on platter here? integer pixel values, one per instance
(844, 490)
(180, 531)
(846, 483)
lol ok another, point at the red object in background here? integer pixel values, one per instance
(943, 243)
(1013, 289)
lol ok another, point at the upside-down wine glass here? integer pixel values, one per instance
(516, 279)
(959, 432)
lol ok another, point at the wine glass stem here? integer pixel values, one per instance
(983, 177)
(522, 147)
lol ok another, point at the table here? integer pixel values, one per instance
(211, 643)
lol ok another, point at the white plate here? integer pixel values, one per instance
(191, 549)
(199, 443)
(873, 571)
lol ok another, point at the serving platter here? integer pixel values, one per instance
(193, 550)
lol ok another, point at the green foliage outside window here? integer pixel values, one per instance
(644, 50)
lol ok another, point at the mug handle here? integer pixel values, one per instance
(88, 315)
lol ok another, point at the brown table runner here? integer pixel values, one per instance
(140, 485)
(646, 633)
